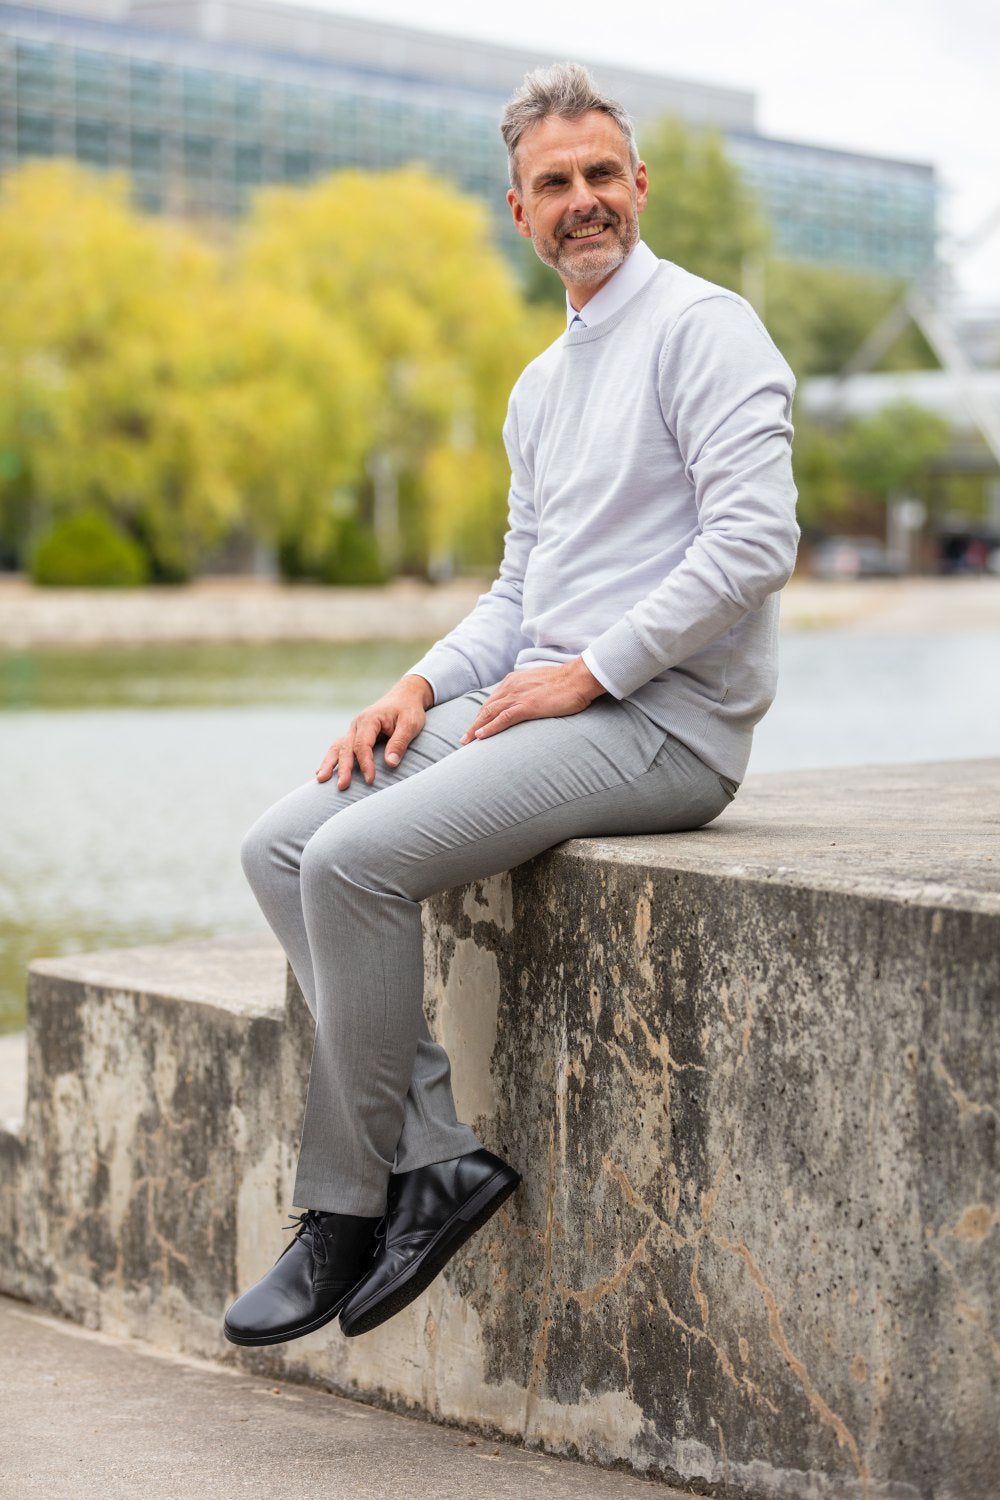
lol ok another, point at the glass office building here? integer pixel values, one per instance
(199, 125)
(203, 101)
(841, 208)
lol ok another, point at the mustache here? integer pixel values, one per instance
(606, 218)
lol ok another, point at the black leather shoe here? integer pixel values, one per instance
(308, 1283)
(430, 1212)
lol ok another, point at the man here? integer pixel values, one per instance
(608, 683)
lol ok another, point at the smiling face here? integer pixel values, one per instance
(579, 198)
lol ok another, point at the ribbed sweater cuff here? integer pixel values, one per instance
(620, 661)
(448, 673)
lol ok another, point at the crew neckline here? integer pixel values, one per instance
(586, 335)
(633, 273)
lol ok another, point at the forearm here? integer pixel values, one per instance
(727, 572)
(480, 649)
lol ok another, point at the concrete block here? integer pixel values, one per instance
(750, 1076)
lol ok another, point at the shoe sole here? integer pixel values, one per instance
(418, 1276)
(255, 1340)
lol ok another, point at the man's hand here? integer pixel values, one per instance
(399, 714)
(536, 693)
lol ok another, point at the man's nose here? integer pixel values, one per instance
(583, 199)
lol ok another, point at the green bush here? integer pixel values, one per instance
(353, 557)
(88, 550)
(350, 557)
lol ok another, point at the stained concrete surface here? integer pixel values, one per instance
(13, 1061)
(925, 834)
(87, 1415)
(751, 1086)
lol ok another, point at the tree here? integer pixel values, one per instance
(820, 315)
(408, 263)
(890, 451)
(700, 213)
(97, 313)
(143, 375)
(823, 492)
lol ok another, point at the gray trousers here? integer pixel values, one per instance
(340, 876)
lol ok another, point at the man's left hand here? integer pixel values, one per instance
(535, 693)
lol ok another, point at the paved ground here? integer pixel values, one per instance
(255, 610)
(85, 1416)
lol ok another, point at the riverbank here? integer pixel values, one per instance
(250, 610)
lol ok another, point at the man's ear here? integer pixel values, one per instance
(518, 215)
(641, 187)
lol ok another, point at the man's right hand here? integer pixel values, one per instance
(399, 714)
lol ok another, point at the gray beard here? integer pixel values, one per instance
(610, 259)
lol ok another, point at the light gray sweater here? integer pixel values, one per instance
(652, 517)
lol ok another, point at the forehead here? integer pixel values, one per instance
(556, 140)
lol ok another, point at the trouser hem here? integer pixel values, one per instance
(439, 1148)
(327, 1199)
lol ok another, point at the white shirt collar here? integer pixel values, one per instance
(633, 273)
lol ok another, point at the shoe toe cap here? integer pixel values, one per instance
(260, 1313)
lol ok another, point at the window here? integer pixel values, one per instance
(145, 88)
(95, 76)
(93, 142)
(199, 95)
(36, 70)
(35, 135)
(146, 150)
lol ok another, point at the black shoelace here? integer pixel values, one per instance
(381, 1228)
(309, 1223)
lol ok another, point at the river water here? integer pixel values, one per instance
(128, 776)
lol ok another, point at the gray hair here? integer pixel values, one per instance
(566, 89)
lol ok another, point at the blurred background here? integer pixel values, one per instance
(262, 307)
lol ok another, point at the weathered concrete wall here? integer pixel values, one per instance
(750, 1076)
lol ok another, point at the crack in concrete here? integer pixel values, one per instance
(826, 1414)
(966, 1106)
(685, 1242)
(540, 1351)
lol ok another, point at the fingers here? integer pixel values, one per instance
(396, 748)
(345, 766)
(491, 719)
(358, 744)
(341, 755)
(483, 717)
(325, 768)
(407, 726)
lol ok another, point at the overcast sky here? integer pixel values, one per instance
(910, 78)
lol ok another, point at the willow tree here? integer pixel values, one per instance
(411, 266)
(144, 377)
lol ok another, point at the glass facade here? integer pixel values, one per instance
(842, 209)
(199, 124)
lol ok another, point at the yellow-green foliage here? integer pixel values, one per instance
(188, 391)
(85, 549)
(700, 213)
(409, 262)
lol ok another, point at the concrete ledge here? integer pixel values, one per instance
(750, 1076)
